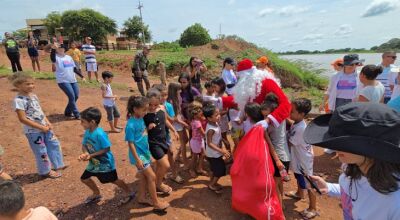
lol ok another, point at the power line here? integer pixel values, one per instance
(140, 6)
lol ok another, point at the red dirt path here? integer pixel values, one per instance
(191, 200)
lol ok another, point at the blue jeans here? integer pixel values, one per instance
(72, 91)
(47, 151)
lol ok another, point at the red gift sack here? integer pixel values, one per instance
(252, 174)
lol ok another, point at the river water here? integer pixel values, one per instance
(323, 61)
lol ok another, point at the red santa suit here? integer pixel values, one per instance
(253, 86)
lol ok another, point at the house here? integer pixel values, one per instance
(38, 28)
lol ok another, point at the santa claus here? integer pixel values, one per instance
(253, 86)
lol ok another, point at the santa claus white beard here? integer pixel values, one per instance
(249, 86)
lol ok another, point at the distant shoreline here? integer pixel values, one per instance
(341, 52)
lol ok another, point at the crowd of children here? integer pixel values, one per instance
(181, 112)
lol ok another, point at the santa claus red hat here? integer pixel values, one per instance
(245, 64)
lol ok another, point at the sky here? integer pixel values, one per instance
(277, 25)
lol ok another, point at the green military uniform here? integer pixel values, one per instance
(139, 71)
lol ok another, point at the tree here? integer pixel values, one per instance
(52, 22)
(194, 35)
(20, 34)
(134, 27)
(87, 22)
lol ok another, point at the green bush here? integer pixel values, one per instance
(195, 35)
(168, 47)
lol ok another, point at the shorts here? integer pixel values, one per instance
(158, 152)
(91, 67)
(107, 177)
(196, 145)
(286, 164)
(145, 166)
(217, 166)
(300, 181)
(33, 52)
(112, 112)
(237, 133)
(138, 77)
(178, 126)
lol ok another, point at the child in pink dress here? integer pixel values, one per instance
(197, 142)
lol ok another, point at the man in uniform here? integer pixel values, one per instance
(139, 69)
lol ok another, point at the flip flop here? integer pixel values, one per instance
(52, 175)
(161, 208)
(145, 203)
(127, 199)
(307, 214)
(202, 173)
(178, 179)
(92, 199)
(293, 195)
(216, 191)
(166, 191)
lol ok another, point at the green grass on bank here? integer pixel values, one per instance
(309, 76)
(315, 95)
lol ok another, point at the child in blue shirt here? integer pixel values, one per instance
(96, 150)
(139, 152)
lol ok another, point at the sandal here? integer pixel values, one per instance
(192, 174)
(293, 195)
(164, 189)
(127, 199)
(307, 214)
(92, 199)
(66, 165)
(161, 208)
(53, 175)
(178, 179)
(145, 203)
(215, 190)
(202, 172)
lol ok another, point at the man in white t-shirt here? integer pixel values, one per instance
(386, 78)
(90, 58)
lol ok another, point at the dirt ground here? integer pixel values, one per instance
(64, 196)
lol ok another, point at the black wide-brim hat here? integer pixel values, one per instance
(368, 129)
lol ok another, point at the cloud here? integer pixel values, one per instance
(266, 11)
(344, 31)
(231, 2)
(380, 7)
(275, 39)
(291, 9)
(313, 37)
(284, 11)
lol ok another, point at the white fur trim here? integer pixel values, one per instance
(249, 85)
(274, 121)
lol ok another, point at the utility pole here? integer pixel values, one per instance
(140, 6)
(220, 31)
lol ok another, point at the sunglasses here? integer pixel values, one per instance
(393, 57)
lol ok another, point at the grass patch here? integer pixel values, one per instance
(122, 52)
(5, 72)
(110, 61)
(315, 95)
(172, 60)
